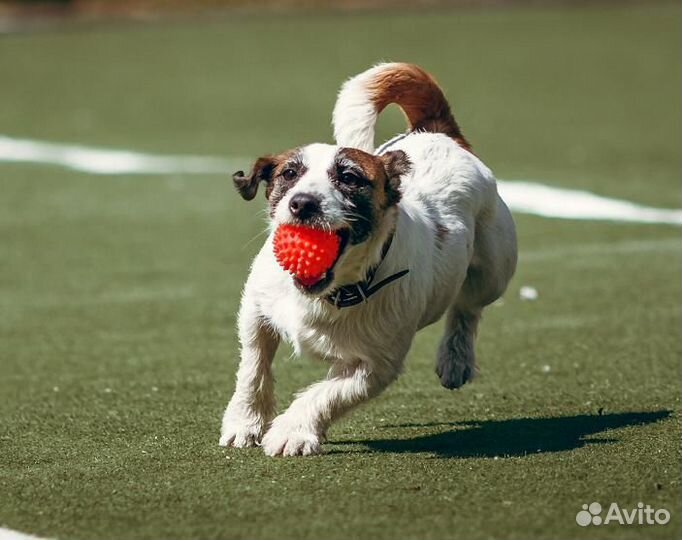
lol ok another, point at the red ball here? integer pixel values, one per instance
(305, 252)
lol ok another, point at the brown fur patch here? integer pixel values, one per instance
(396, 164)
(372, 169)
(247, 186)
(376, 186)
(420, 98)
(268, 169)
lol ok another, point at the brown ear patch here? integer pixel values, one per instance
(396, 164)
(262, 170)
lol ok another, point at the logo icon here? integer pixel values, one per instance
(640, 515)
(589, 514)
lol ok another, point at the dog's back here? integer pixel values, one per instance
(474, 251)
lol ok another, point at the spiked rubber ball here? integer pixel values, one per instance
(305, 252)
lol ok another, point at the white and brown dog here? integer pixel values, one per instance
(423, 231)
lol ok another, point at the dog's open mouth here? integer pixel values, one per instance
(323, 282)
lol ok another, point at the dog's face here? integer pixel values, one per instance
(344, 190)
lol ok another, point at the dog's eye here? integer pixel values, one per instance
(289, 174)
(349, 177)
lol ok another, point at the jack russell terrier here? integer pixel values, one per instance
(422, 232)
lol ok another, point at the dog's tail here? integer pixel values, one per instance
(363, 97)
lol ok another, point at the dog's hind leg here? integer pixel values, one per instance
(485, 282)
(487, 277)
(456, 362)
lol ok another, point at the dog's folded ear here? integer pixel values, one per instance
(396, 164)
(262, 170)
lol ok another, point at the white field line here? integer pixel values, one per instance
(9, 534)
(521, 196)
(542, 200)
(105, 161)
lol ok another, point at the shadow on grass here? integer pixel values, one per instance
(515, 437)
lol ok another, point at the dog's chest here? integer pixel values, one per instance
(322, 331)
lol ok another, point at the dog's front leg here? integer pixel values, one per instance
(253, 403)
(301, 429)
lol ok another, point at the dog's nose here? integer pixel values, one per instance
(304, 206)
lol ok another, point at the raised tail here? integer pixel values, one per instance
(364, 96)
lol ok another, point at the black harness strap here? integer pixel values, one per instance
(357, 293)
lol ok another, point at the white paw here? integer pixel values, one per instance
(240, 432)
(287, 438)
(240, 438)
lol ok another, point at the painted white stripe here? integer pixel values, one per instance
(521, 196)
(9, 534)
(105, 161)
(553, 202)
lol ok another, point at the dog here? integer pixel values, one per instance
(423, 232)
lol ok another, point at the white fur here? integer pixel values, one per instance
(354, 115)
(316, 158)
(449, 189)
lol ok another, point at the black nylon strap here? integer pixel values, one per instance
(357, 293)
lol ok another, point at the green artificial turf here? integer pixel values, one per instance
(118, 295)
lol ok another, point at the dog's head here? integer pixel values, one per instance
(344, 190)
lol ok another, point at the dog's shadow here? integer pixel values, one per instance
(507, 438)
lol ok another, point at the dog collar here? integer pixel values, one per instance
(357, 293)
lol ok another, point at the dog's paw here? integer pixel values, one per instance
(241, 431)
(240, 437)
(452, 375)
(456, 363)
(287, 438)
